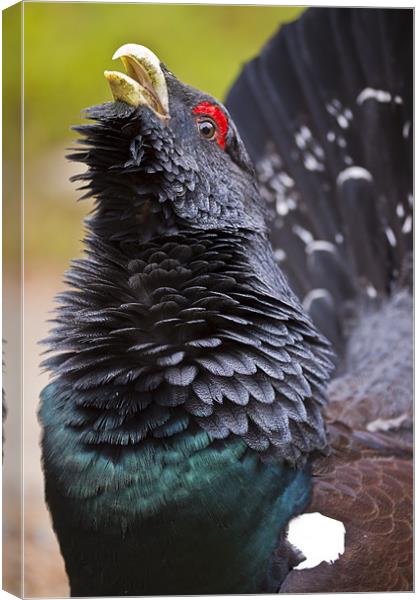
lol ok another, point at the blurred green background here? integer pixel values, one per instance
(68, 46)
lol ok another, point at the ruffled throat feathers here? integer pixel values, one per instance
(178, 334)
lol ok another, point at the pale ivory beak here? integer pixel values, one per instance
(144, 83)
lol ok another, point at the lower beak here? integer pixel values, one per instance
(144, 84)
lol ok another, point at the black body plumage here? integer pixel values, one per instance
(189, 382)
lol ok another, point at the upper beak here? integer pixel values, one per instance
(145, 82)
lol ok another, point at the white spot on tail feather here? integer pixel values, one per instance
(281, 207)
(319, 538)
(341, 142)
(333, 107)
(406, 129)
(342, 115)
(311, 149)
(386, 424)
(286, 179)
(319, 152)
(391, 237)
(400, 210)
(311, 163)
(300, 141)
(370, 93)
(353, 173)
(371, 291)
(306, 133)
(305, 235)
(316, 294)
(317, 245)
(342, 121)
(408, 224)
(279, 255)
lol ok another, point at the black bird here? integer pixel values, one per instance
(183, 427)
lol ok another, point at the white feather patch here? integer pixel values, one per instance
(316, 245)
(370, 93)
(353, 173)
(408, 224)
(315, 295)
(391, 236)
(319, 538)
(406, 129)
(387, 424)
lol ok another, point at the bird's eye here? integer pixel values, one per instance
(207, 128)
(211, 122)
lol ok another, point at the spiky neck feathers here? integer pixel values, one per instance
(151, 178)
(179, 332)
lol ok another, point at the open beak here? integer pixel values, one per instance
(144, 84)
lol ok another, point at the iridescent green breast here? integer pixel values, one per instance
(188, 515)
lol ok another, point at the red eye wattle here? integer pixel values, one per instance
(206, 109)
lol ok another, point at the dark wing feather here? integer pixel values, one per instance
(328, 123)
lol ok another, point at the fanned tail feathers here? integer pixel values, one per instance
(328, 123)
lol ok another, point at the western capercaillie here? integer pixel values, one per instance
(185, 409)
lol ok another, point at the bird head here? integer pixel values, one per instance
(165, 156)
